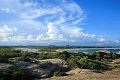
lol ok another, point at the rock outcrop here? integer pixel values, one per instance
(40, 68)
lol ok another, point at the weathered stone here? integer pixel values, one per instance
(6, 66)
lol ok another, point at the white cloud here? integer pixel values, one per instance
(5, 39)
(17, 38)
(39, 38)
(7, 10)
(117, 40)
(101, 38)
(6, 31)
(34, 13)
(30, 38)
(44, 22)
(53, 31)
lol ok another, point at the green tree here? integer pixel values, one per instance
(66, 55)
(84, 62)
(114, 55)
(98, 56)
(73, 62)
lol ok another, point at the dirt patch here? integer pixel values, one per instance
(81, 71)
(88, 75)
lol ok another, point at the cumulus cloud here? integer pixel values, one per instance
(44, 22)
(6, 31)
(101, 38)
(117, 40)
(53, 31)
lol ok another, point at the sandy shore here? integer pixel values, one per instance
(19, 48)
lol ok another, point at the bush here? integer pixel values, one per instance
(24, 59)
(15, 74)
(73, 62)
(118, 66)
(117, 62)
(4, 60)
(58, 73)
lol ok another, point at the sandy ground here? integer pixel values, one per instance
(86, 74)
(78, 75)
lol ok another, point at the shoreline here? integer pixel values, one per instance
(73, 49)
(77, 49)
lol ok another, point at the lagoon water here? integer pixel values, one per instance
(116, 50)
(30, 50)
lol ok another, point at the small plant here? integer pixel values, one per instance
(117, 66)
(58, 73)
(117, 62)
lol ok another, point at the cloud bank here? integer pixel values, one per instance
(34, 21)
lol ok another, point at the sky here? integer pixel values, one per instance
(60, 22)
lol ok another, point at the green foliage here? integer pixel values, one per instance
(6, 52)
(58, 73)
(24, 59)
(15, 74)
(114, 55)
(24, 56)
(80, 60)
(117, 66)
(64, 55)
(98, 56)
(117, 62)
(73, 62)
(92, 65)
(3, 60)
(47, 49)
(9, 52)
(84, 61)
(41, 56)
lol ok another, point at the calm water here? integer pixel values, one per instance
(79, 50)
(92, 49)
(30, 50)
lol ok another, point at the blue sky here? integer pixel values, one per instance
(60, 22)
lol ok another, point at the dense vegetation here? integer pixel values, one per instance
(96, 60)
(6, 53)
(15, 74)
(90, 60)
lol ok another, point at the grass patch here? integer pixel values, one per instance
(117, 66)
(58, 73)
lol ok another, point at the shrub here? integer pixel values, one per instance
(58, 73)
(117, 62)
(4, 60)
(73, 62)
(117, 66)
(15, 74)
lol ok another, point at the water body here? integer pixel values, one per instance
(116, 50)
(30, 50)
